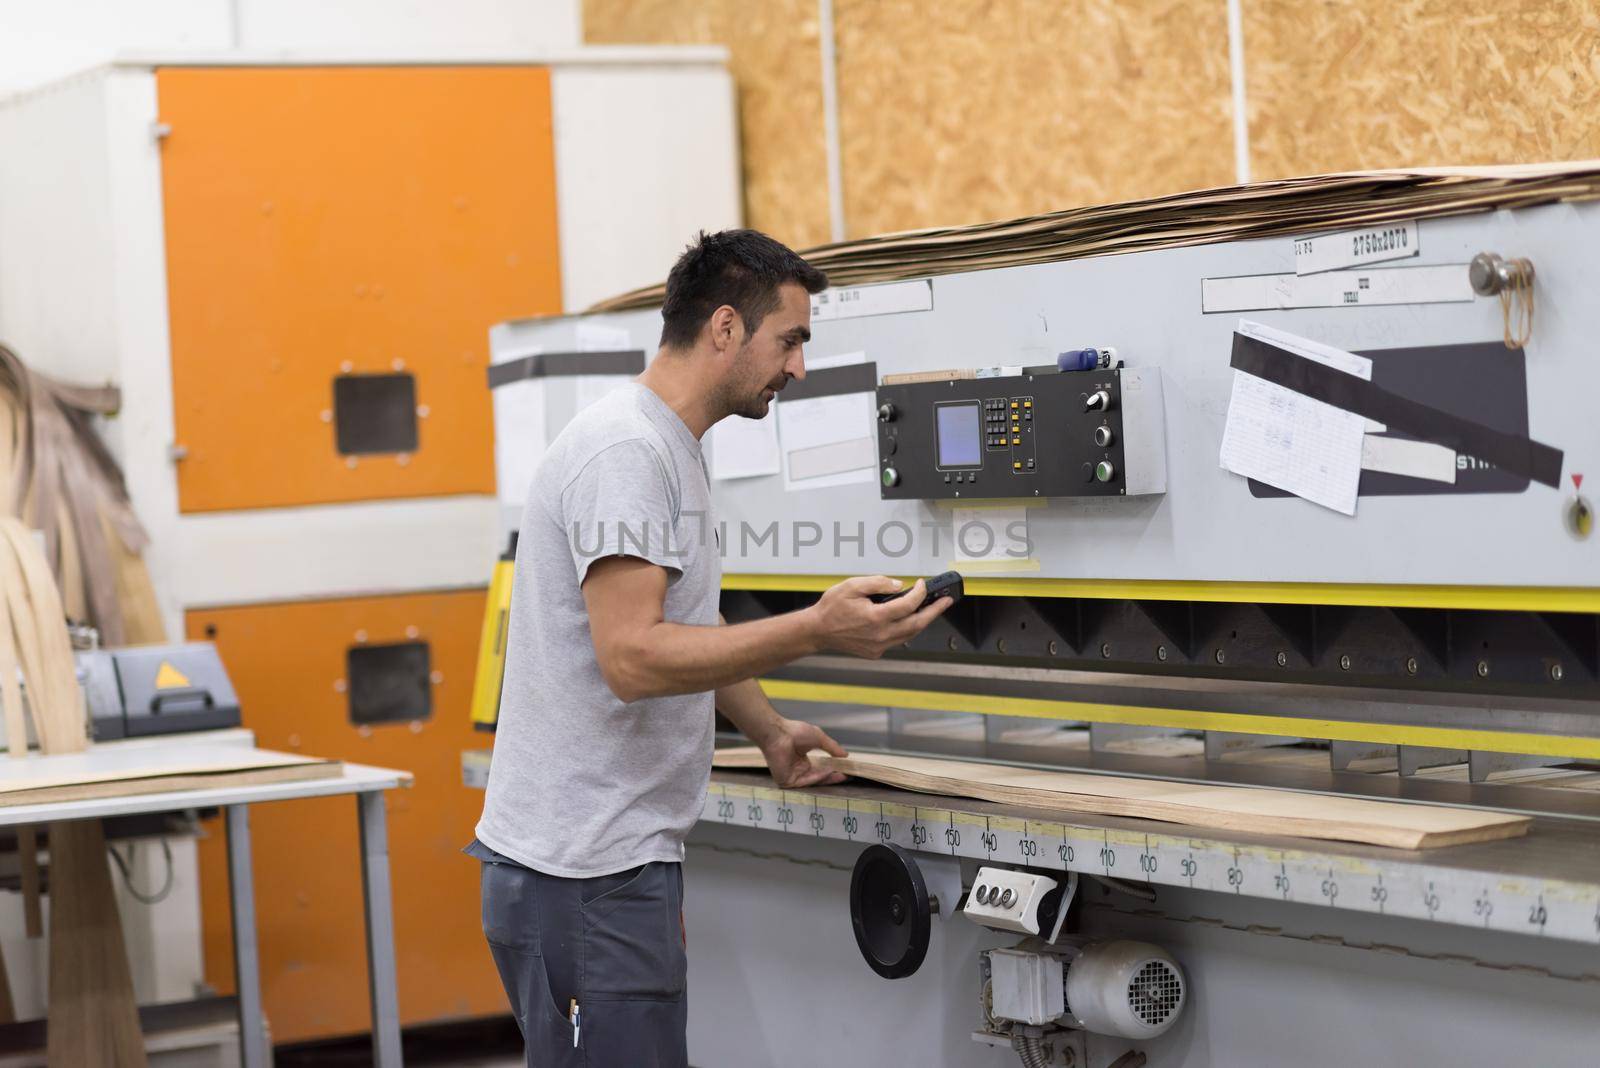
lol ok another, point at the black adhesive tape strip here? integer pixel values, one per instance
(557, 364)
(833, 382)
(1524, 456)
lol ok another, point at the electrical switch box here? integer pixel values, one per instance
(1027, 987)
(1008, 900)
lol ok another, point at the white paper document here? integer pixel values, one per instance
(1290, 441)
(745, 448)
(1338, 359)
(829, 441)
(1402, 456)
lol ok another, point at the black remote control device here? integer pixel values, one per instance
(947, 584)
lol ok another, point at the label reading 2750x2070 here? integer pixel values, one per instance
(1352, 248)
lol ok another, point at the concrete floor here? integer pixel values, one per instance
(487, 1043)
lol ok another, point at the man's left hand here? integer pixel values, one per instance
(786, 756)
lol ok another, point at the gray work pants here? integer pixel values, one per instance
(615, 944)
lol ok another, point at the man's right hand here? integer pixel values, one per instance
(847, 621)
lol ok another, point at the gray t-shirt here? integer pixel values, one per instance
(582, 784)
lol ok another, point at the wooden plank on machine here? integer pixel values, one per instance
(1232, 808)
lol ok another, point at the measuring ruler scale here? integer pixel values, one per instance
(1399, 886)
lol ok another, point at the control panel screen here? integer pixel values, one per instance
(956, 431)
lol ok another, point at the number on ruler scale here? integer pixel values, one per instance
(1066, 853)
(724, 810)
(1147, 863)
(1430, 901)
(1108, 857)
(785, 816)
(817, 822)
(1027, 847)
(990, 842)
(882, 827)
(952, 837)
(919, 834)
(1537, 914)
(1280, 882)
(850, 826)
(1330, 889)
(1482, 907)
(1236, 878)
(1380, 894)
(1189, 868)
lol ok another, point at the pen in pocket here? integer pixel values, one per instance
(575, 1019)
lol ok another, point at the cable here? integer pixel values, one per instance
(127, 879)
(1031, 1051)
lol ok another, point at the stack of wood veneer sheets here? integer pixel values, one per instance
(1294, 206)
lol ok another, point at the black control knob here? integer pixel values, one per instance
(886, 412)
(1104, 436)
(1098, 401)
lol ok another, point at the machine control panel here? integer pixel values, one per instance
(1080, 434)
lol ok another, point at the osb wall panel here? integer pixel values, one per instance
(776, 61)
(1353, 84)
(958, 111)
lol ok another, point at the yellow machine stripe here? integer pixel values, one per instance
(1502, 598)
(1187, 719)
(485, 706)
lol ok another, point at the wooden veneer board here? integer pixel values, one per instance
(148, 770)
(1229, 808)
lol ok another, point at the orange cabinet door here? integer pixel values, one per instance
(339, 241)
(302, 671)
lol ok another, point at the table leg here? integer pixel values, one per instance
(380, 931)
(246, 963)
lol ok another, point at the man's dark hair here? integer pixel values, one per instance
(740, 268)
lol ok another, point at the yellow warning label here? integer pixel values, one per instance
(170, 678)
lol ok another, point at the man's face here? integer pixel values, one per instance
(771, 356)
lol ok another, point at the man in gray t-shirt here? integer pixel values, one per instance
(617, 657)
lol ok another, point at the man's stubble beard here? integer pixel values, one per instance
(733, 398)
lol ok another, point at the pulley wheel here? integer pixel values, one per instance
(889, 910)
